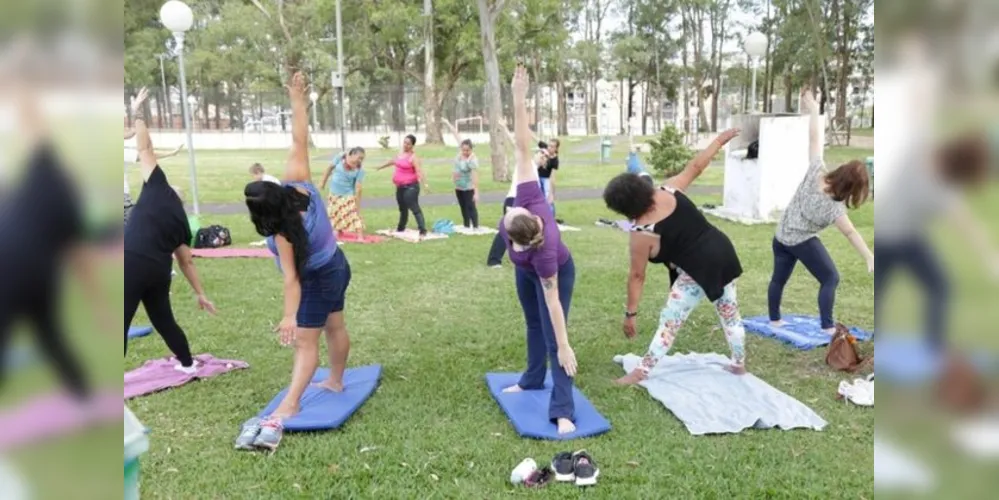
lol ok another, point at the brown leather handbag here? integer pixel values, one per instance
(842, 353)
(960, 387)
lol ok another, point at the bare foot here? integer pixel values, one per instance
(285, 412)
(736, 369)
(330, 385)
(636, 376)
(512, 389)
(565, 426)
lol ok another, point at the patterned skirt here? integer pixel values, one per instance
(343, 213)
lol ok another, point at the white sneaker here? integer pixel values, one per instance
(980, 439)
(860, 392)
(523, 471)
(188, 370)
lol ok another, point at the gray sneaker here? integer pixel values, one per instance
(248, 435)
(271, 432)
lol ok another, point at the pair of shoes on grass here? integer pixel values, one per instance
(260, 434)
(565, 467)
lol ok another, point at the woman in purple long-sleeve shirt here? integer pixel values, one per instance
(545, 275)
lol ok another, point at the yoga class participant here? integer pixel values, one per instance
(822, 200)
(258, 173)
(498, 248)
(316, 274)
(466, 180)
(344, 208)
(407, 178)
(158, 232)
(547, 169)
(668, 229)
(545, 276)
(931, 189)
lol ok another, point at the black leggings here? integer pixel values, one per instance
(813, 255)
(148, 282)
(38, 302)
(918, 257)
(498, 249)
(469, 212)
(408, 198)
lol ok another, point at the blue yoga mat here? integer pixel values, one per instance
(911, 360)
(802, 332)
(528, 410)
(139, 331)
(326, 410)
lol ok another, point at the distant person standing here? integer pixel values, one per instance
(259, 174)
(346, 178)
(547, 170)
(407, 179)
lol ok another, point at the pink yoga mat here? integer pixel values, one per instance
(55, 415)
(232, 253)
(159, 374)
(353, 238)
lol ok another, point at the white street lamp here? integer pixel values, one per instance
(314, 96)
(756, 47)
(177, 17)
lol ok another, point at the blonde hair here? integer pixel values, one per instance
(526, 230)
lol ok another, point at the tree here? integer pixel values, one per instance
(489, 11)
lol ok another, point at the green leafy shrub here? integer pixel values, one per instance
(669, 153)
(383, 141)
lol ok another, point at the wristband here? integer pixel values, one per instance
(629, 314)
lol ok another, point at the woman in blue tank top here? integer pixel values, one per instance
(292, 217)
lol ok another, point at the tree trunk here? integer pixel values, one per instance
(563, 114)
(788, 91)
(844, 62)
(645, 109)
(494, 100)
(431, 104)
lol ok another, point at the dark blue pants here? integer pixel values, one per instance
(542, 348)
(498, 249)
(812, 253)
(917, 256)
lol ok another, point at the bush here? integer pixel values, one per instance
(669, 153)
(383, 141)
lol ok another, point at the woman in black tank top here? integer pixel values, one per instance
(669, 229)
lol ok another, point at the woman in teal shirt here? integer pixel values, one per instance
(344, 207)
(466, 184)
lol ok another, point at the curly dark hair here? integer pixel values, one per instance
(629, 195)
(275, 210)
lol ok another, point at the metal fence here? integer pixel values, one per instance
(395, 109)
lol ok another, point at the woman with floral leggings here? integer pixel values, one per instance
(669, 229)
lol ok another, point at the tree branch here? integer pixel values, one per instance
(284, 27)
(261, 7)
(495, 10)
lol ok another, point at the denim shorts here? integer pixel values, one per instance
(323, 291)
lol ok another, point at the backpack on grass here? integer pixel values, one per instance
(212, 237)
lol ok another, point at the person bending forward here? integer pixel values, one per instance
(669, 229)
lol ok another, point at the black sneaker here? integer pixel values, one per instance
(539, 478)
(563, 465)
(560, 222)
(585, 469)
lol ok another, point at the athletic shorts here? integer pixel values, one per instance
(323, 291)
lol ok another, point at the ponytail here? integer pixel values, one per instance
(537, 241)
(277, 210)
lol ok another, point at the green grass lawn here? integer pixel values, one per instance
(437, 319)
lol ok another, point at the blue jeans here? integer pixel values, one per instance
(542, 348)
(546, 188)
(812, 253)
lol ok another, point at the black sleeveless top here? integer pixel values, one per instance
(691, 243)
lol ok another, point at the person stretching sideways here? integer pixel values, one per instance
(545, 275)
(466, 180)
(347, 176)
(669, 229)
(158, 232)
(822, 200)
(316, 273)
(407, 178)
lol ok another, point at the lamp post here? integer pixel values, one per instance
(755, 46)
(166, 91)
(315, 122)
(338, 78)
(177, 17)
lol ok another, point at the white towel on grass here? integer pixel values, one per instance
(710, 400)
(410, 235)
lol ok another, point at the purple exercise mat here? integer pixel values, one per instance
(159, 374)
(55, 415)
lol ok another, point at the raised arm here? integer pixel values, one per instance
(143, 143)
(636, 281)
(810, 107)
(170, 154)
(297, 167)
(526, 171)
(701, 162)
